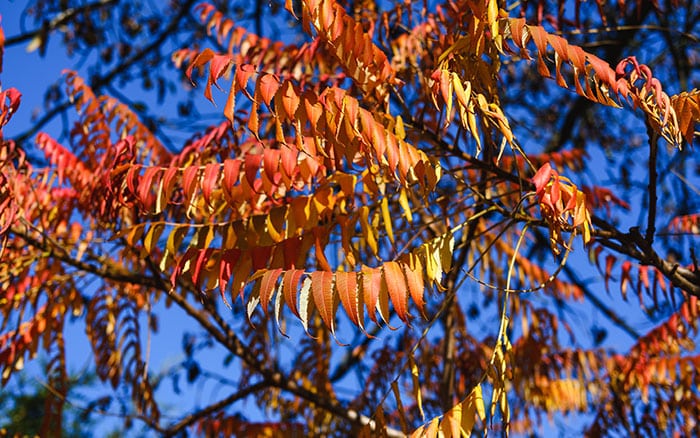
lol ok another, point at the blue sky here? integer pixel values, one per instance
(30, 74)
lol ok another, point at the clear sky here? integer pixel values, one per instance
(31, 74)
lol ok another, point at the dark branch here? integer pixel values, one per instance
(203, 413)
(58, 21)
(653, 149)
(99, 82)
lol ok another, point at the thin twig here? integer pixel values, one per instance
(653, 151)
(203, 413)
(58, 21)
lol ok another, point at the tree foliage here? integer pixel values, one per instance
(425, 201)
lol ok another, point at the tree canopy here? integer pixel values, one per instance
(398, 218)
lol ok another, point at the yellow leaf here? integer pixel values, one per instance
(451, 422)
(203, 237)
(432, 264)
(399, 129)
(479, 402)
(492, 17)
(367, 230)
(468, 418)
(275, 223)
(446, 246)
(399, 406)
(463, 95)
(135, 234)
(386, 217)
(403, 202)
(153, 235)
(416, 384)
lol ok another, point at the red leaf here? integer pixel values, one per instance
(189, 181)
(555, 193)
(231, 170)
(626, 278)
(145, 192)
(260, 256)
(220, 65)
(609, 262)
(11, 94)
(392, 149)
(229, 258)
(209, 181)
(289, 158)
(202, 259)
(230, 107)
(252, 165)
(271, 160)
(541, 178)
(168, 183)
(313, 109)
(202, 58)
(291, 249)
(320, 241)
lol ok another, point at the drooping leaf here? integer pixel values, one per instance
(349, 294)
(397, 288)
(324, 297)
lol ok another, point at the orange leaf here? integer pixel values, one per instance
(271, 161)
(346, 284)
(371, 285)
(290, 282)
(202, 58)
(324, 296)
(267, 286)
(268, 85)
(289, 99)
(396, 285)
(414, 281)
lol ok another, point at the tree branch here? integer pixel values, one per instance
(58, 21)
(653, 148)
(635, 247)
(98, 82)
(202, 413)
(226, 338)
(609, 313)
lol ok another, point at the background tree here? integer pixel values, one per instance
(23, 408)
(513, 160)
